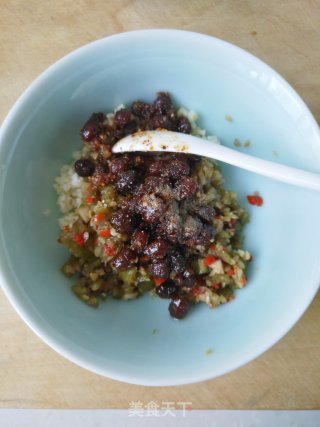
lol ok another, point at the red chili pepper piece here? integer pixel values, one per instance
(209, 260)
(255, 200)
(89, 200)
(98, 217)
(158, 281)
(105, 233)
(79, 239)
(108, 250)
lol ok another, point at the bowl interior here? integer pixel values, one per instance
(137, 341)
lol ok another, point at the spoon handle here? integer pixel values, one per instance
(167, 141)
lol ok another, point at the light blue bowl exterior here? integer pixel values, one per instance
(213, 78)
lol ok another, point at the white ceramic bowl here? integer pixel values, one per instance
(215, 79)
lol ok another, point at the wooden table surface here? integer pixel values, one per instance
(34, 34)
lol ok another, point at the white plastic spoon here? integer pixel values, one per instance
(167, 141)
